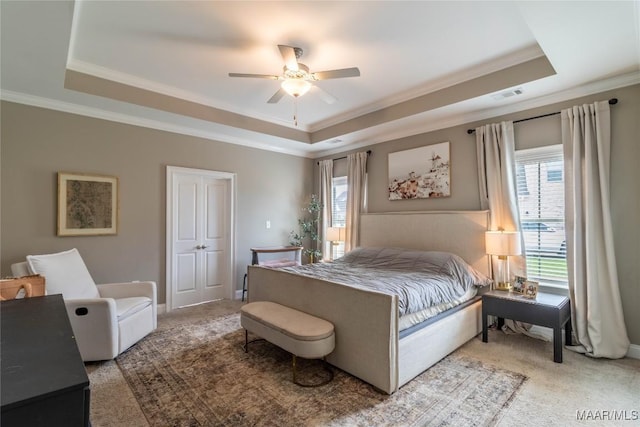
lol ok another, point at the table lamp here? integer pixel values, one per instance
(336, 235)
(503, 244)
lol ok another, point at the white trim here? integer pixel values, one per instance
(634, 351)
(364, 139)
(99, 113)
(527, 54)
(547, 333)
(358, 139)
(238, 294)
(231, 241)
(146, 84)
(161, 308)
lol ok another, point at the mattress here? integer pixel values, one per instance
(426, 282)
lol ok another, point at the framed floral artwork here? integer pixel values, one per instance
(420, 173)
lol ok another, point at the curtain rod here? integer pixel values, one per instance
(340, 158)
(612, 101)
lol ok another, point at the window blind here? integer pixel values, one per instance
(338, 209)
(540, 187)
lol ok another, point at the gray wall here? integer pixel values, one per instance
(37, 143)
(625, 177)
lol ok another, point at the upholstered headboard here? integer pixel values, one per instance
(458, 232)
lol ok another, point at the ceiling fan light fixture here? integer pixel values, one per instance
(296, 87)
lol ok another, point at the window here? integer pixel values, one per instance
(540, 181)
(339, 210)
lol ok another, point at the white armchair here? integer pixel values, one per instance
(106, 319)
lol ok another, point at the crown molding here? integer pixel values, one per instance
(142, 83)
(98, 113)
(392, 131)
(458, 119)
(488, 67)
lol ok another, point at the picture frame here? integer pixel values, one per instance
(87, 204)
(530, 289)
(518, 284)
(420, 173)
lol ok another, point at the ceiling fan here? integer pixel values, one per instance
(296, 77)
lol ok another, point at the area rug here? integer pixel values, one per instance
(198, 375)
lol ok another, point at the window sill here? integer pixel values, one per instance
(552, 288)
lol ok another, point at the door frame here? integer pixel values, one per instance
(231, 232)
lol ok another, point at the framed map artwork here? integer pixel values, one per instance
(87, 204)
(420, 173)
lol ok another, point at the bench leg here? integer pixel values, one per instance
(245, 347)
(325, 365)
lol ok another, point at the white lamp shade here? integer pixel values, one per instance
(296, 87)
(503, 243)
(336, 234)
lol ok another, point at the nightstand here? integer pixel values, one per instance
(550, 310)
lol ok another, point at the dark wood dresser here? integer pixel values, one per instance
(44, 381)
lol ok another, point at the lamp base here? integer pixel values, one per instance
(503, 286)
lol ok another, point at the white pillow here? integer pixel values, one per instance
(65, 273)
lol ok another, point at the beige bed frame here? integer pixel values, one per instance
(366, 322)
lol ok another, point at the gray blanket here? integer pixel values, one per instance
(420, 279)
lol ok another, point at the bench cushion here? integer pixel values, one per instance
(291, 322)
(294, 331)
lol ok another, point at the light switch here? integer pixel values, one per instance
(268, 224)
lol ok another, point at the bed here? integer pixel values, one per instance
(369, 343)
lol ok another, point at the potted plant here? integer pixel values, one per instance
(309, 230)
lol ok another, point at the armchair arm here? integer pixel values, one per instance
(128, 289)
(95, 326)
(132, 289)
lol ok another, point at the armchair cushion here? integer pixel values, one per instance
(65, 273)
(125, 307)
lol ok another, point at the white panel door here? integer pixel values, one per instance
(199, 247)
(214, 238)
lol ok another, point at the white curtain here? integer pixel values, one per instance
(495, 144)
(326, 185)
(356, 197)
(596, 308)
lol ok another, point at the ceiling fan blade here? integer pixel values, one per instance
(257, 76)
(289, 56)
(324, 95)
(337, 74)
(276, 96)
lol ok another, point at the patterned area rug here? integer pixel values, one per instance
(198, 375)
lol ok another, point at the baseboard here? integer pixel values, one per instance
(633, 353)
(161, 308)
(238, 294)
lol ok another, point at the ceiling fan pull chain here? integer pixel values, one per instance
(295, 111)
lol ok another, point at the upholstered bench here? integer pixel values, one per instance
(301, 334)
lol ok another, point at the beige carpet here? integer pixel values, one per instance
(256, 385)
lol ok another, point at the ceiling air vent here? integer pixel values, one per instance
(507, 94)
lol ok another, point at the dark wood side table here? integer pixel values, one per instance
(549, 310)
(255, 252)
(44, 381)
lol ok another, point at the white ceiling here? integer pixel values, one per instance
(424, 65)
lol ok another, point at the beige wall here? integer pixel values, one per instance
(37, 143)
(625, 176)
